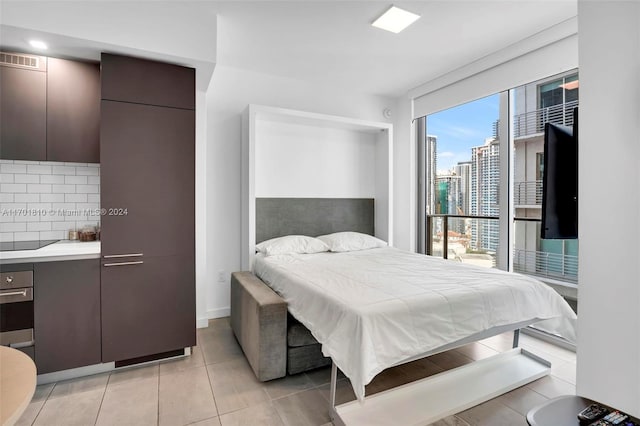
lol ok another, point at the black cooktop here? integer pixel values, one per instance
(25, 245)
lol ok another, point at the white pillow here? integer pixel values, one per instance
(291, 244)
(351, 241)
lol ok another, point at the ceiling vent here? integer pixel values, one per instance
(20, 61)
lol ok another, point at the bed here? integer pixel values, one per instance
(371, 309)
(380, 307)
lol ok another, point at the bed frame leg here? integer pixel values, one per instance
(334, 379)
(516, 338)
(332, 392)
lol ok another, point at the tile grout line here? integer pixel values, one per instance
(535, 391)
(275, 408)
(158, 404)
(505, 405)
(213, 395)
(562, 380)
(313, 386)
(550, 375)
(466, 423)
(43, 402)
(102, 399)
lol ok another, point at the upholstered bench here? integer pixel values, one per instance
(273, 341)
(303, 350)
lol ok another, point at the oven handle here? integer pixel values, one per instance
(14, 293)
(123, 263)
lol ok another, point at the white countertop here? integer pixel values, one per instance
(62, 250)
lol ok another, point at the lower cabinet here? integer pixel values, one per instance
(66, 314)
(148, 306)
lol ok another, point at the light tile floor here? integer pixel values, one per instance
(216, 387)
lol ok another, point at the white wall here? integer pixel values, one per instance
(404, 175)
(609, 204)
(230, 92)
(326, 162)
(201, 208)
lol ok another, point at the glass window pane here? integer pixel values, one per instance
(551, 259)
(462, 179)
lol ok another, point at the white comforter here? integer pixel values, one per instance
(371, 309)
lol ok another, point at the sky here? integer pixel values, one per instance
(462, 127)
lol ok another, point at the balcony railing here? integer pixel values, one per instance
(532, 122)
(467, 239)
(528, 193)
(561, 267)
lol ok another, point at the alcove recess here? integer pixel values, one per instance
(296, 154)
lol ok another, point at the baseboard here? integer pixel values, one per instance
(74, 373)
(106, 367)
(202, 322)
(218, 313)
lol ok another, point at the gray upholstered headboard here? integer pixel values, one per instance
(276, 217)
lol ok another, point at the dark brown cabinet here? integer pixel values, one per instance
(23, 109)
(73, 111)
(49, 109)
(141, 81)
(148, 169)
(148, 307)
(66, 314)
(147, 176)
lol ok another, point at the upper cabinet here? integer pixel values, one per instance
(141, 81)
(49, 109)
(73, 111)
(23, 107)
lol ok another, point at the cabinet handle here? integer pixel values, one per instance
(123, 263)
(111, 256)
(14, 293)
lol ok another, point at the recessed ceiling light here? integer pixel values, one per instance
(37, 44)
(395, 20)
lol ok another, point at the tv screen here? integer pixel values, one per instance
(560, 182)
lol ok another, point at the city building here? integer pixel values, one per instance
(449, 200)
(551, 100)
(463, 169)
(485, 180)
(431, 164)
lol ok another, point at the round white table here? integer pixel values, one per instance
(17, 384)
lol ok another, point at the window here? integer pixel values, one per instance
(461, 170)
(559, 91)
(552, 260)
(539, 165)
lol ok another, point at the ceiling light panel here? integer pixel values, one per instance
(37, 44)
(395, 20)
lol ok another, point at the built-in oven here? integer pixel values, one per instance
(16, 310)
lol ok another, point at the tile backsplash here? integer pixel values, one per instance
(43, 200)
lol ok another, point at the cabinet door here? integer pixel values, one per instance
(66, 314)
(147, 308)
(23, 109)
(147, 179)
(73, 111)
(128, 79)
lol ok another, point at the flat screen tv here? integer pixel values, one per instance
(560, 181)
